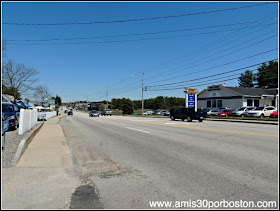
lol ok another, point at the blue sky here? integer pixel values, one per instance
(75, 69)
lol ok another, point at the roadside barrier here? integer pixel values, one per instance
(27, 120)
(49, 114)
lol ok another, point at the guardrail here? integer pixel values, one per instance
(27, 120)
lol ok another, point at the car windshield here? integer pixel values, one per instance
(259, 108)
(7, 108)
(241, 109)
(93, 111)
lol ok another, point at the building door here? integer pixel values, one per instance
(256, 103)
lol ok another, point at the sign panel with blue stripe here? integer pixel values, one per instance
(5, 126)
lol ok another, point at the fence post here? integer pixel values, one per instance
(21, 122)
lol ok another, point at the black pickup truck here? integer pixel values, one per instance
(186, 113)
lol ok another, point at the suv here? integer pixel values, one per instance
(242, 112)
(262, 111)
(185, 113)
(11, 112)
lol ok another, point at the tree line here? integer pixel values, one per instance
(266, 76)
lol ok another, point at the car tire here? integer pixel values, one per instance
(172, 118)
(262, 116)
(16, 125)
(242, 115)
(200, 120)
(183, 119)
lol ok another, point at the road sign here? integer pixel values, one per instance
(191, 100)
(43, 115)
(5, 126)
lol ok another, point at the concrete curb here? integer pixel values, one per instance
(245, 121)
(25, 141)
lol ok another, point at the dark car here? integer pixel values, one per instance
(185, 113)
(70, 112)
(65, 111)
(94, 113)
(11, 112)
(203, 112)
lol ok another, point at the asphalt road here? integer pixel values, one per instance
(132, 161)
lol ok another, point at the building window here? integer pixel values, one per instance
(273, 103)
(256, 103)
(220, 103)
(249, 102)
(208, 103)
(214, 105)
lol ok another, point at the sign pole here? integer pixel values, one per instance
(4, 141)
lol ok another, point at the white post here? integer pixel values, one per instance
(21, 118)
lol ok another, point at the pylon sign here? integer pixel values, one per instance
(191, 98)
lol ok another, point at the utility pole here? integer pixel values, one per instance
(142, 89)
(107, 97)
(87, 103)
(143, 93)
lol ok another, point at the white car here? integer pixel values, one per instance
(261, 111)
(164, 113)
(212, 113)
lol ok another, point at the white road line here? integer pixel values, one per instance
(137, 130)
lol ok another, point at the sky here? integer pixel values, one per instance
(176, 44)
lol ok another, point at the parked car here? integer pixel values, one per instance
(148, 112)
(70, 112)
(212, 112)
(164, 113)
(11, 112)
(185, 113)
(262, 111)
(242, 112)
(202, 112)
(94, 113)
(156, 112)
(274, 114)
(106, 113)
(226, 112)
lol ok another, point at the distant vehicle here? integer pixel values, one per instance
(226, 112)
(242, 112)
(21, 104)
(157, 113)
(185, 113)
(212, 112)
(93, 113)
(148, 113)
(223, 108)
(11, 112)
(70, 112)
(262, 111)
(164, 113)
(65, 111)
(274, 114)
(106, 113)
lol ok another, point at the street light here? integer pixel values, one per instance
(142, 90)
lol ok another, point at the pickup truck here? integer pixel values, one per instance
(185, 113)
(106, 113)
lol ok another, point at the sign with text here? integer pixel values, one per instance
(5, 126)
(191, 100)
(191, 97)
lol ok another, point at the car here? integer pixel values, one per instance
(65, 111)
(242, 112)
(148, 113)
(11, 112)
(157, 113)
(93, 113)
(70, 112)
(106, 112)
(226, 112)
(164, 113)
(212, 112)
(185, 113)
(274, 115)
(262, 111)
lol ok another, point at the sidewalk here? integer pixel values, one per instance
(48, 149)
(44, 177)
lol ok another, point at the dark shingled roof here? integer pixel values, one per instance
(253, 91)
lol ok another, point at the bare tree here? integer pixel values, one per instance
(19, 77)
(41, 93)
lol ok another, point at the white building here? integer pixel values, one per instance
(218, 96)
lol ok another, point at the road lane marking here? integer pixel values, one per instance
(137, 130)
(197, 128)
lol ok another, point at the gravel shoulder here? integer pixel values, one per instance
(12, 142)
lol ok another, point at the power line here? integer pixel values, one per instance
(213, 75)
(226, 63)
(137, 19)
(136, 34)
(133, 40)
